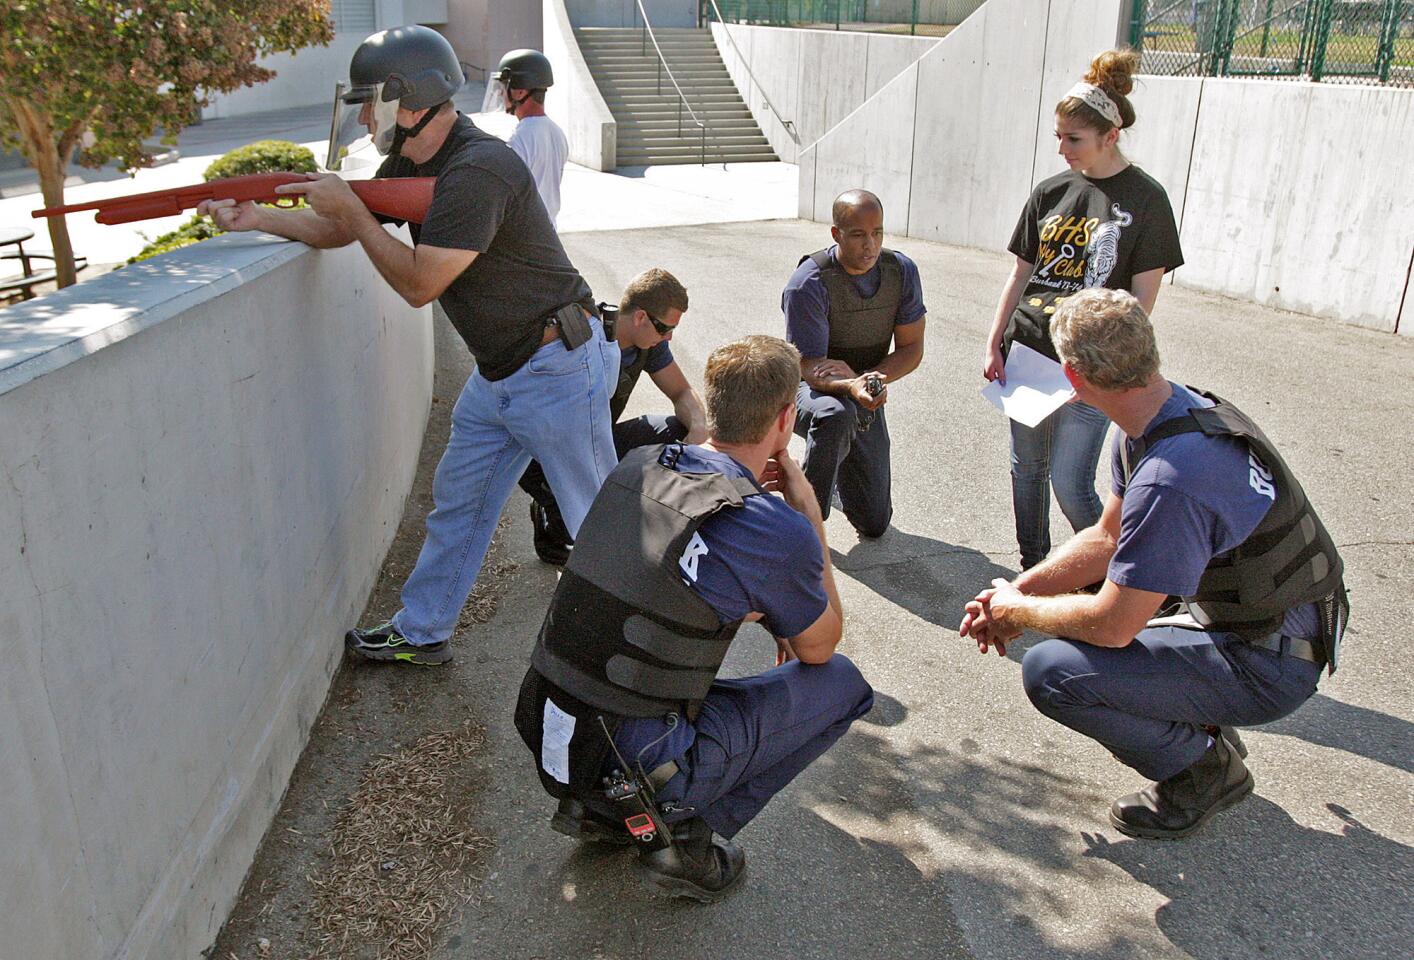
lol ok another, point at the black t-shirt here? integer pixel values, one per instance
(1083, 233)
(485, 200)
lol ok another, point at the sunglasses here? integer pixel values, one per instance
(663, 329)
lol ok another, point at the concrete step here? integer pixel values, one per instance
(731, 125)
(627, 87)
(715, 137)
(676, 159)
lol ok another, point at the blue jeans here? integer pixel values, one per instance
(1148, 702)
(839, 455)
(1062, 451)
(628, 435)
(756, 734)
(554, 408)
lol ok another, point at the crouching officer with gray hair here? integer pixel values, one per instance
(1206, 521)
(621, 707)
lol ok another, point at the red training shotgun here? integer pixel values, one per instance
(401, 198)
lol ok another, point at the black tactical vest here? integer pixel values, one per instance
(624, 633)
(861, 331)
(1288, 560)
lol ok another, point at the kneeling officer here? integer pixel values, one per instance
(629, 726)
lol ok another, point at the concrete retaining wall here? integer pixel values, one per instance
(624, 13)
(574, 102)
(815, 78)
(204, 460)
(1294, 195)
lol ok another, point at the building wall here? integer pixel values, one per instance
(1295, 195)
(574, 102)
(814, 78)
(484, 30)
(205, 457)
(624, 13)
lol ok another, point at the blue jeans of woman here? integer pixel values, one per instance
(554, 408)
(1061, 452)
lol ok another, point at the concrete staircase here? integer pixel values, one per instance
(647, 115)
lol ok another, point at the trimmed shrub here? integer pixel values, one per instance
(263, 156)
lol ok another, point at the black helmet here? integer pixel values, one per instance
(525, 70)
(416, 65)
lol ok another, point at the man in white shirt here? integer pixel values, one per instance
(525, 75)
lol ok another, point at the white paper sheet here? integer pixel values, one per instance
(558, 730)
(1036, 387)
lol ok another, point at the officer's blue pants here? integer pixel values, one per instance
(1148, 702)
(840, 455)
(756, 734)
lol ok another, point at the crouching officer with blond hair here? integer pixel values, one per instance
(621, 708)
(1202, 510)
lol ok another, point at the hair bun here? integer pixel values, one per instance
(1113, 71)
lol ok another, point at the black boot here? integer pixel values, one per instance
(552, 540)
(574, 820)
(1174, 808)
(698, 866)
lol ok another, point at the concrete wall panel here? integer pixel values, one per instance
(1076, 31)
(815, 78)
(890, 56)
(1161, 140)
(205, 457)
(1300, 197)
(574, 102)
(975, 126)
(831, 80)
(805, 194)
(873, 149)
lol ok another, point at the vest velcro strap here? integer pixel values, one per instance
(563, 674)
(661, 643)
(659, 681)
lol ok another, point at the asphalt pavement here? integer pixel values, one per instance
(954, 820)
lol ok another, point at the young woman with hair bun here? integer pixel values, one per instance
(1101, 223)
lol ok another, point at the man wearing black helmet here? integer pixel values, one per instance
(489, 255)
(521, 80)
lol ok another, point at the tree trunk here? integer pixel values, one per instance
(44, 156)
(51, 185)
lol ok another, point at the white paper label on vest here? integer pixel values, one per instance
(555, 742)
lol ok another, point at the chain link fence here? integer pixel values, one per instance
(1351, 41)
(918, 17)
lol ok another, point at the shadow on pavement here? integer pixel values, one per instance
(929, 578)
(1298, 892)
(1301, 892)
(1358, 730)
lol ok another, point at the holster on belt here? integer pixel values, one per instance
(572, 324)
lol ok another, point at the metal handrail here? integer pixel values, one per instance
(788, 124)
(682, 97)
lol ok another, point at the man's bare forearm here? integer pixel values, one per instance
(688, 408)
(901, 362)
(1081, 561)
(306, 226)
(393, 259)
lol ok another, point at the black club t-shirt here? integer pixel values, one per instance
(485, 200)
(1083, 233)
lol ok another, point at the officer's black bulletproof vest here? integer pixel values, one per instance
(624, 634)
(861, 331)
(1288, 560)
(628, 378)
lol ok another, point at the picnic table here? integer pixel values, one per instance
(28, 278)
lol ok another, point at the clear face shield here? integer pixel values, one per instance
(498, 97)
(362, 118)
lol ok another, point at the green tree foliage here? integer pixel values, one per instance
(91, 79)
(263, 156)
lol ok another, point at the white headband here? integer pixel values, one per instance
(1099, 101)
